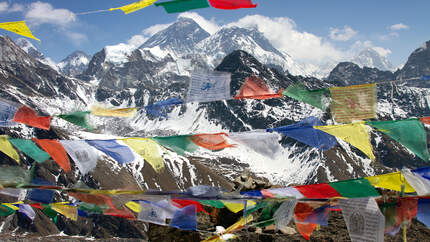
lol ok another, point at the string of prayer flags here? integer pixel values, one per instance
(13, 174)
(6, 147)
(132, 7)
(209, 86)
(423, 212)
(355, 188)
(149, 150)
(363, 219)
(355, 134)
(185, 218)
(179, 144)
(419, 183)
(178, 6)
(18, 27)
(211, 141)
(82, 153)
(27, 210)
(56, 151)
(317, 98)
(285, 213)
(353, 102)
(159, 109)
(29, 148)
(78, 118)
(28, 116)
(392, 181)
(113, 112)
(410, 133)
(305, 132)
(7, 112)
(322, 190)
(255, 88)
(232, 4)
(121, 153)
(259, 141)
(68, 211)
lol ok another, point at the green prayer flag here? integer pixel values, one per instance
(178, 144)
(89, 207)
(79, 118)
(317, 98)
(48, 211)
(255, 208)
(6, 211)
(14, 174)
(29, 148)
(178, 6)
(213, 203)
(267, 214)
(355, 188)
(409, 133)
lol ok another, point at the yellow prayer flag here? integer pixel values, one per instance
(236, 226)
(14, 205)
(148, 149)
(68, 211)
(134, 6)
(119, 112)
(7, 148)
(133, 206)
(18, 27)
(237, 206)
(355, 133)
(392, 181)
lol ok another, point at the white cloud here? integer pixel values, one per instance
(154, 29)
(76, 37)
(344, 34)
(382, 51)
(137, 40)
(40, 13)
(361, 45)
(283, 34)
(209, 25)
(4, 7)
(400, 26)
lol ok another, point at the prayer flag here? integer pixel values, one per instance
(267, 214)
(41, 195)
(56, 151)
(121, 213)
(232, 4)
(18, 27)
(14, 206)
(96, 199)
(6, 147)
(28, 116)
(425, 120)
(419, 183)
(425, 78)
(12, 192)
(178, 6)
(305, 229)
(317, 98)
(159, 109)
(236, 206)
(256, 88)
(78, 118)
(285, 213)
(392, 181)
(178, 144)
(211, 141)
(353, 102)
(204, 191)
(213, 203)
(322, 190)
(180, 203)
(305, 132)
(319, 216)
(209, 86)
(423, 212)
(233, 228)
(133, 206)
(364, 220)
(301, 212)
(7, 112)
(185, 218)
(29, 148)
(168, 209)
(121, 153)
(409, 133)
(67, 211)
(129, 8)
(149, 150)
(151, 213)
(355, 133)
(84, 155)
(27, 210)
(355, 188)
(6, 211)
(424, 172)
(259, 141)
(283, 192)
(112, 112)
(13, 174)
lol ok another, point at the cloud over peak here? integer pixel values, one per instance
(344, 34)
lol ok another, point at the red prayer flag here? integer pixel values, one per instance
(301, 212)
(56, 151)
(122, 213)
(255, 88)
(232, 4)
(211, 141)
(97, 199)
(183, 203)
(407, 209)
(28, 116)
(37, 205)
(305, 229)
(425, 120)
(322, 190)
(267, 194)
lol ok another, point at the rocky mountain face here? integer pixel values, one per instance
(28, 47)
(74, 64)
(348, 73)
(372, 59)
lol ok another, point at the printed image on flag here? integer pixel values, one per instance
(209, 86)
(353, 102)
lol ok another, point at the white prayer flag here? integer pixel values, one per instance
(284, 213)
(364, 220)
(260, 141)
(151, 213)
(209, 86)
(419, 183)
(27, 210)
(84, 155)
(7, 112)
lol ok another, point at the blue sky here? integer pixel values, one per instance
(311, 31)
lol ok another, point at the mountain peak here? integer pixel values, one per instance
(369, 57)
(28, 47)
(418, 63)
(75, 63)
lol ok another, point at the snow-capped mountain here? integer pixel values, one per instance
(418, 63)
(28, 47)
(372, 59)
(74, 64)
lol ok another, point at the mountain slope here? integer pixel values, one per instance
(28, 47)
(74, 64)
(372, 59)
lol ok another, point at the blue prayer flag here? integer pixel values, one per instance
(159, 109)
(319, 216)
(304, 132)
(120, 153)
(424, 172)
(425, 78)
(423, 213)
(185, 218)
(41, 195)
(7, 112)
